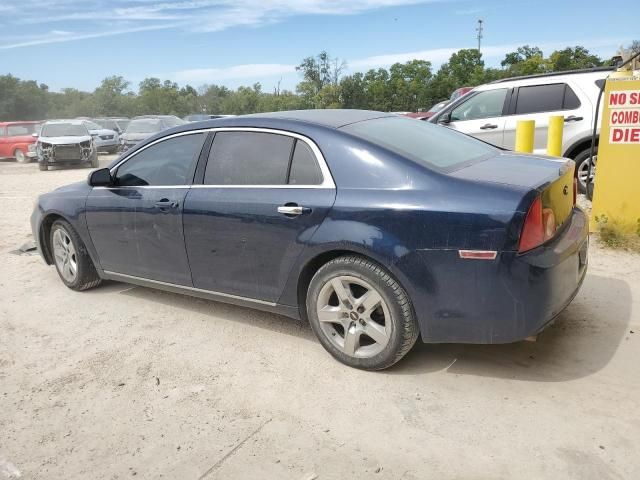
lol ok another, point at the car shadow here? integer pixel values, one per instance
(581, 342)
(235, 313)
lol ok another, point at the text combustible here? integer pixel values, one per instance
(624, 120)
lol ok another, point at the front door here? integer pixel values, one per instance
(136, 224)
(262, 198)
(481, 116)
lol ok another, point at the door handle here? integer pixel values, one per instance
(573, 118)
(293, 210)
(165, 204)
(488, 126)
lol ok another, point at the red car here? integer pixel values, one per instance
(15, 138)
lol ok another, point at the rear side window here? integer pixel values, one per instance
(169, 162)
(546, 98)
(248, 158)
(304, 167)
(431, 145)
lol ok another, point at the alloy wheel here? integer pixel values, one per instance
(354, 316)
(65, 255)
(583, 171)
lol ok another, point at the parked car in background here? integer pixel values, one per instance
(490, 112)
(429, 113)
(65, 142)
(16, 138)
(141, 128)
(118, 124)
(104, 139)
(459, 93)
(376, 228)
(168, 120)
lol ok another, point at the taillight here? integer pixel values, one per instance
(539, 226)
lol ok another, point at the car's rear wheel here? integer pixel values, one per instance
(582, 168)
(20, 156)
(70, 256)
(360, 313)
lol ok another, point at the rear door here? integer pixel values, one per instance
(539, 102)
(262, 196)
(136, 225)
(481, 115)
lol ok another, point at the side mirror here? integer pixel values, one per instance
(34, 135)
(445, 118)
(100, 178)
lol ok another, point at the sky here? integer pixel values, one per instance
(71, 43)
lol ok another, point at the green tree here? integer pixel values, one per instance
(525, 60)
(573, 58)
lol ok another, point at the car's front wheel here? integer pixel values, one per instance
(70, 256)
(20, 156)
(360, 313)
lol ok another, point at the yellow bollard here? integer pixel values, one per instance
(525, 130)
(554, 139)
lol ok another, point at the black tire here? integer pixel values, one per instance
(43, 166)
(86, 276)
(582, 163)
(402, 322)
(95, 162)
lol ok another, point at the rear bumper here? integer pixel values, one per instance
(508, 299)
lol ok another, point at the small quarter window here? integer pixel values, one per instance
(169, 162)
(304, 167)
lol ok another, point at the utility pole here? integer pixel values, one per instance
(479, 29)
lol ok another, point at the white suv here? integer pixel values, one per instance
(490, 112)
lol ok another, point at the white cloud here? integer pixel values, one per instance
(96, 17)
(213, 75)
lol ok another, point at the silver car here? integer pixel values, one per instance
(65, 142)
(104, 139)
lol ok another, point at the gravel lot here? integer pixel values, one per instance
(120, 382)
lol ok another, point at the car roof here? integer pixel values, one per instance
(18, 122)
(71, 121)
(548, 78)
(333, 118)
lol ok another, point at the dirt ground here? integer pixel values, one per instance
(119, 382)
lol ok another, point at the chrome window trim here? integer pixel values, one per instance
(327, 178)
(124, 277)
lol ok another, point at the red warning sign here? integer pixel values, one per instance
(624, 117)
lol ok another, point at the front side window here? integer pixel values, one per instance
(248, 158)
(486, 104)
(169, 162)
(21, 130)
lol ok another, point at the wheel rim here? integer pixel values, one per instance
(583, 171)
(19, 156)
(353, 316)
(65, 255)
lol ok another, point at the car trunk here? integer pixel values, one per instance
(553, 178)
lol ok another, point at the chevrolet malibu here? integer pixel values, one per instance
(375, 228)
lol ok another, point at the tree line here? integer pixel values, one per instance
(402, 87)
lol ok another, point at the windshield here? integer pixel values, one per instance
(431, 145)
(64, 130)
(144, 126)
(91, 125)
(173, 121)
(22, 129)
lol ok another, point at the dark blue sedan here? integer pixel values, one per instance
(373, 227)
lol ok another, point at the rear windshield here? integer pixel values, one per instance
(64, 130)
(431, 145)
(144, 126)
